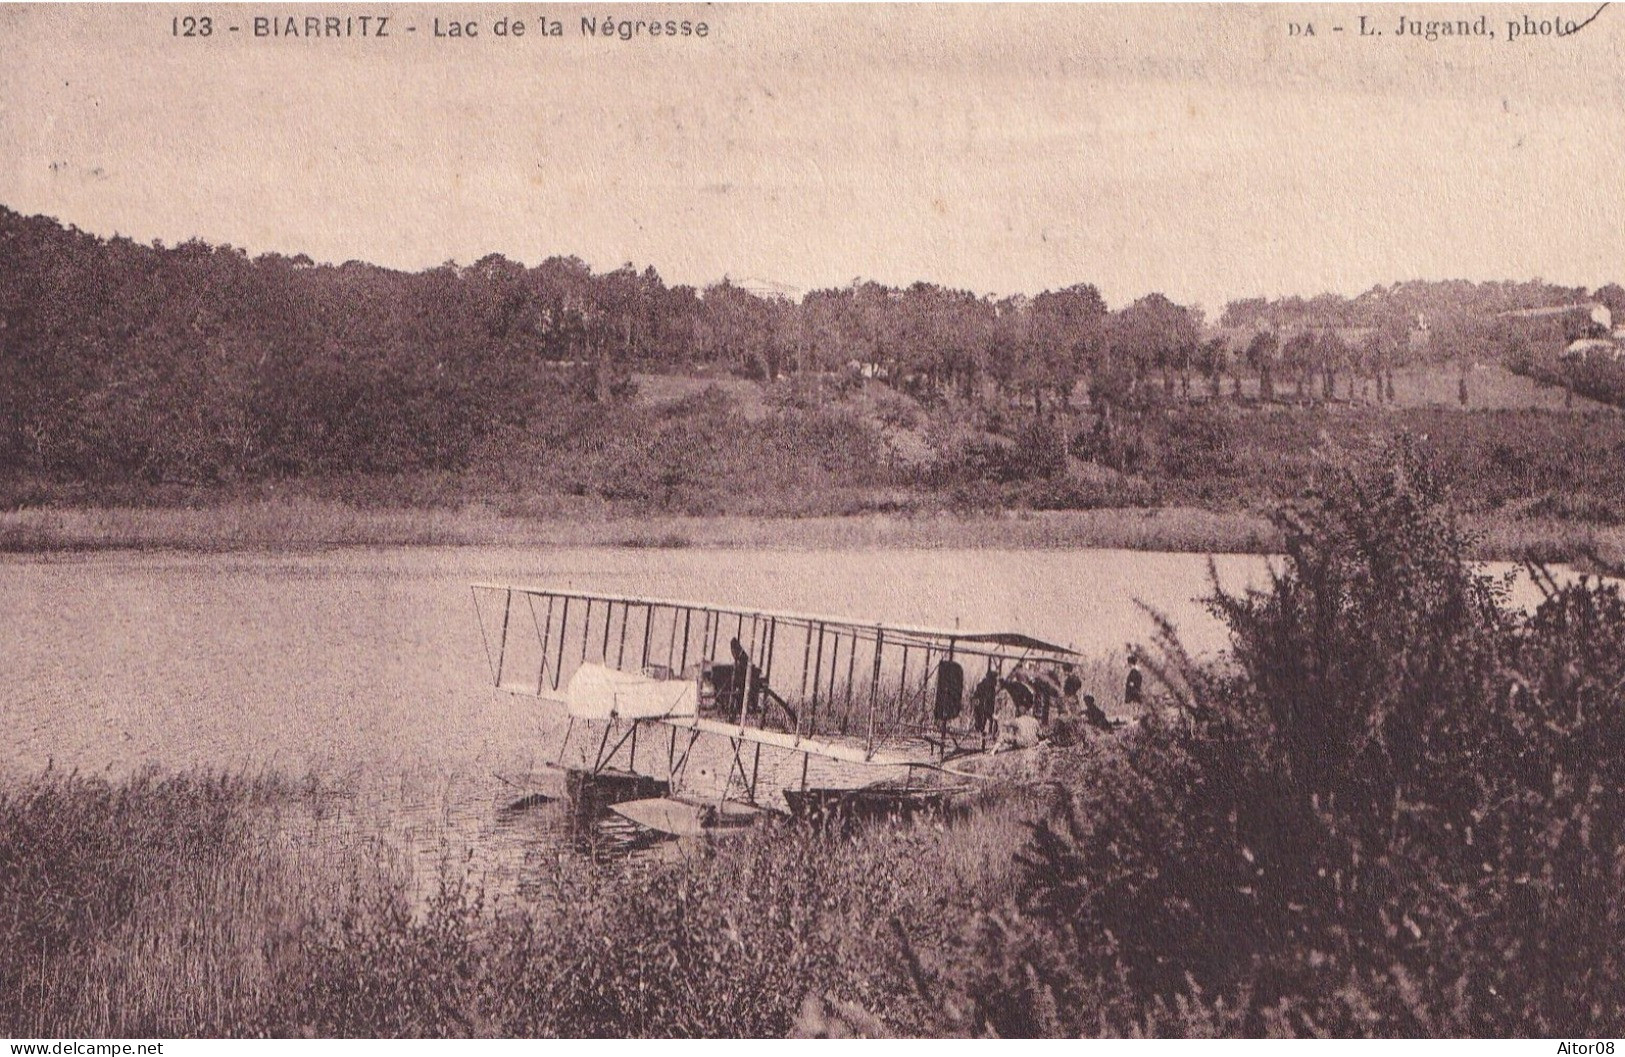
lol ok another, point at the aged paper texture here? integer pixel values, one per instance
(737, 520)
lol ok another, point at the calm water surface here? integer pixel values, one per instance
(366, 666)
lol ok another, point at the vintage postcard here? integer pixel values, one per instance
(733, 520)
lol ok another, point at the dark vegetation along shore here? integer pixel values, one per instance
(1393, 810)
(193, 396)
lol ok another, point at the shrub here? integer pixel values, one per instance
(1393, 811)
(105, 887)
(1564, 506)
(1040, 452)
(1201, 445)
(730, 942)
(895, 409)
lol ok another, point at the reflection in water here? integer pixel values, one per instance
(536, 827)
(506, 843)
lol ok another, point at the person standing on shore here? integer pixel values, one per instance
(1134, 685)
(984, 701)
(1071, 686)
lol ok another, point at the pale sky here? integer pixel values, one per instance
(1197, 151)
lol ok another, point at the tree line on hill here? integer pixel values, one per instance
(200, 364)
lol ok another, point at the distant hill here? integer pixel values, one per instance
(128, 364)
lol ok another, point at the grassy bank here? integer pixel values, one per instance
(152, 907)
(314, 523)
(178, 906)
(809, 464)
(310, 523)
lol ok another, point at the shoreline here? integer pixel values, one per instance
(306, 524)
(312, 524)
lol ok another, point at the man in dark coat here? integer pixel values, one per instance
(984, 701)
(1047, 690)
(1021, 693)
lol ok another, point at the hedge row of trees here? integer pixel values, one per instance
(1406, 301)
(196, 363)
(1600, 378)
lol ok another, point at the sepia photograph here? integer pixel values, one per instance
(811, 520)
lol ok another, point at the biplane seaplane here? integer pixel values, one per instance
(726, 713)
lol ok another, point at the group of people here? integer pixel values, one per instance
(1044, 700)
(1035, 699)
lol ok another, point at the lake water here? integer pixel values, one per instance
(366, 666)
